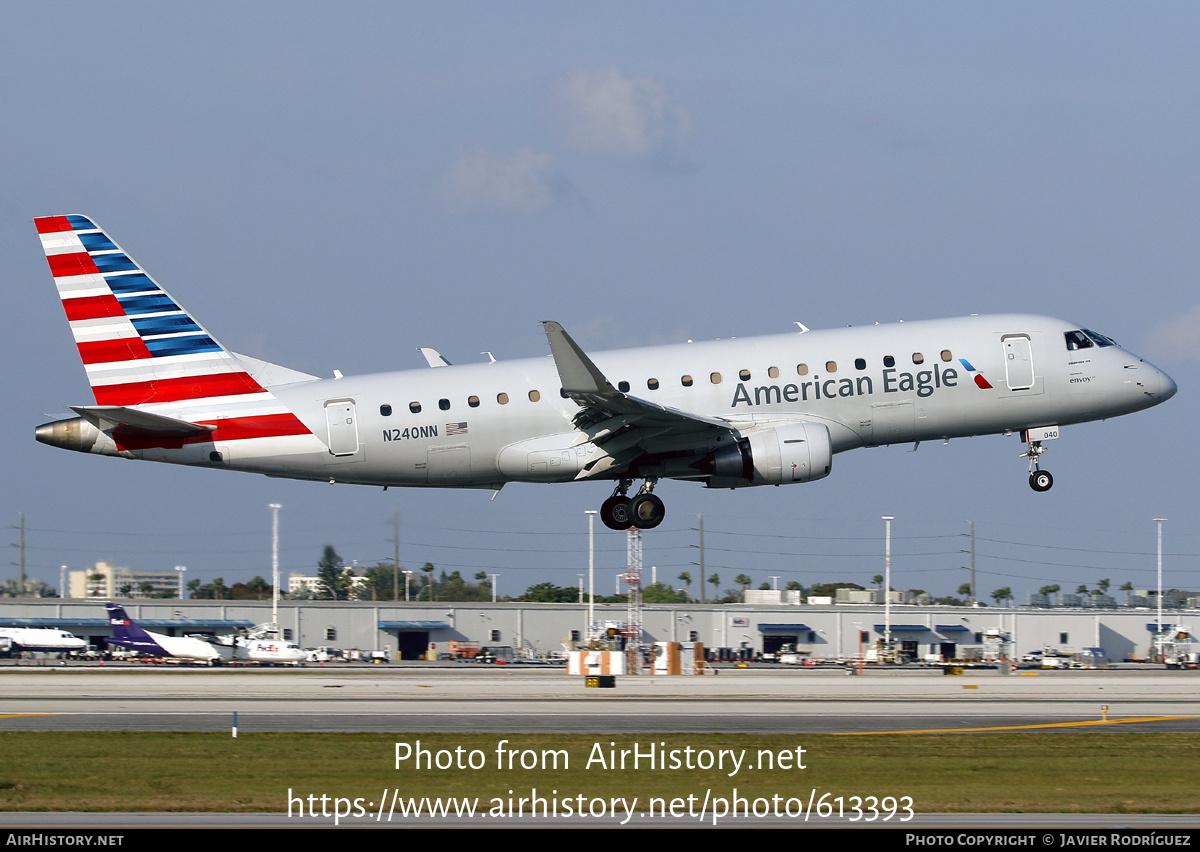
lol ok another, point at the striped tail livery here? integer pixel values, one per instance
(160, 380)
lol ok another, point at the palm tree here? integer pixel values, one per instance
(965, 591)
(744, 581)
(878, 581)
(1002, 594)
(1128, 590)
(715, 579)
(686, 578)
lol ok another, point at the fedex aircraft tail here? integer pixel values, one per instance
(128, 635)
(158, 377)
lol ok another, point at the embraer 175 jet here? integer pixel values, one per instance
(727, 413)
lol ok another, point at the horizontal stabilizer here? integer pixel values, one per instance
(133, 421)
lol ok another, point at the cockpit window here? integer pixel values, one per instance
(1100, 339)
(1077, 340)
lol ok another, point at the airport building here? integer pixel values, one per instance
(821, 632)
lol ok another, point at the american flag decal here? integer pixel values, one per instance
(456, 428)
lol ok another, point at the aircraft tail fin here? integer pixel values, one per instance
(127, 634)
(137, 344)
(141, 348)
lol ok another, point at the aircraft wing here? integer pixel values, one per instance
(623, 427)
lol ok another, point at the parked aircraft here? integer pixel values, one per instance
(47, 639)
(261, 645)
(729, 413)
(127, 634)
(257, 645)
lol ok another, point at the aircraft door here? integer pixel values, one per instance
(1018, 361)
(343, 427)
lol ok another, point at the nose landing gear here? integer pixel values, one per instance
(1039, 480)
(645, 510)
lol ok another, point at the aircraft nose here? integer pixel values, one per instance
(1166, 386)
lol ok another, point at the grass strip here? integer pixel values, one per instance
(1083, 772)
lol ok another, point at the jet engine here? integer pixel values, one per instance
(797, 452)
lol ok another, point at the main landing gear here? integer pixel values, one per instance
(644, 510)
(1039, 480)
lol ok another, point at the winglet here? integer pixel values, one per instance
(575, 369)
(432, 357)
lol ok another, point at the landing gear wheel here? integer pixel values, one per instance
(647, 511)
(1041, 480)
(615, 513)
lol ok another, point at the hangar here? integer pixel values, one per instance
(411, 630)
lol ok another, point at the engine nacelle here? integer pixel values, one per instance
(797, 452)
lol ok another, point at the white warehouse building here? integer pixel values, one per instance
(831, 632)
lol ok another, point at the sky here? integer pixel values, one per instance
(330, 186)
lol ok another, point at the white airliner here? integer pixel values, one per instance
(727, 413)
(48, 639)
(255, 647)
(127, 634)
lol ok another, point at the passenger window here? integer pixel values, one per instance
(860, 363)
(773, 372)
(385, 410)
(715, 378)
(802, 369)
(444, 404)
(473, 401)
(918, 358)
(502, 398)
(414, 407)
(652, 384)
(889, 361)
(946, 356)
(534, 396)
(686, 381)
(623, 387)
(831, 366)
(744, 375)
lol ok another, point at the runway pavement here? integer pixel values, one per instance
(515, 699)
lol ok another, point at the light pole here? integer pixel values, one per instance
(274, 507)
(887, 583)
(494, 578)
(1158, 629)
(591, 610)
(407, 576)
(180, 569)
